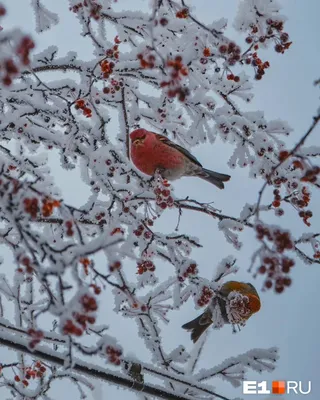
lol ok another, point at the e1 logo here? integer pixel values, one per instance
(277, 387)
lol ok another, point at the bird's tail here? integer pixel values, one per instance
(213, 177)
(197, 326)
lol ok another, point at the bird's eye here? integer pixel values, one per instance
(139, 140)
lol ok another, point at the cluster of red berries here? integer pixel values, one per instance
(142, 307)
(163, 194)
(302, 203)
(224, 128)
(231, 51)
(89, 305)
(258, 64)
(205, 297)
(306, 215)
(232, 77)
(297, 164)
(23, 50)
(311, 175)
(191, 270)
(177, 67)
(276, 271)
(206, 52)
(106, 68)
(115, 266)
(317, 255)
(31, 206)
(283, 155)
(48, 205)
(262, 151)
(111, 168)
(145, 266)
(274, 25)
(148, 62)
(114, 355)
(10, 69)
(26, 262)
(96, 288)
(20, 129)
(279, 181)
(115, 87)
(95, 8)
(163, 114)
(100, 217)
(36, 336)
(76, 7)
(70, 231)
(116, 231)
(37, 371)
(83, 320)
(284, 44)
(81, 104)
(70, 328)
(114, 51)
(274, 31)
(183, 13)
(85, 263)
(177, 71)
(277, 198)
(281, 239)
(142, 229)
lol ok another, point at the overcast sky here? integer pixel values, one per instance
(289, 321)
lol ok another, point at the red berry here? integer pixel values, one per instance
(147, 234)
(163, 21)
(268, 284)
(278, 48)
(262, 269)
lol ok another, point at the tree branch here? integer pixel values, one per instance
(18, 344)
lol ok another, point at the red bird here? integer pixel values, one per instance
(151, 151)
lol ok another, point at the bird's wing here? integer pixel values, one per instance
(185, 152)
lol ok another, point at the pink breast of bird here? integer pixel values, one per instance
(154, 154)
